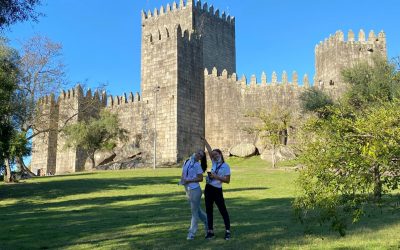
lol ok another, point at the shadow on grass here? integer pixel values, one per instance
(63, 187)
(158, 223)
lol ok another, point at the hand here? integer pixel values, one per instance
(214, 176)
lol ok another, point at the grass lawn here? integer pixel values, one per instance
(146, 209)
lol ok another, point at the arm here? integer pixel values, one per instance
(226, 179)
(199, 178)
(208, 147)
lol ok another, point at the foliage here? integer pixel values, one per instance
(372, 83)
(314, 100)
(43, 73)
(8, 83)
(95, 133)
(13, 11)
(351, 156)
(273, 127)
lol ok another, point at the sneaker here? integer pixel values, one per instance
(190, 237)
(227, 235)
(209, 236)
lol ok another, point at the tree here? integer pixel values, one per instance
(95, 134)
(316, 101)
(8, 84)
(12, 11)
(272, 127)
(42, 73)
(351, 156)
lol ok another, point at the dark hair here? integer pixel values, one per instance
(203, 162)
(220, 152)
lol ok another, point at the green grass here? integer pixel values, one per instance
(146, 209)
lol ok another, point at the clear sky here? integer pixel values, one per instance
(101, 39)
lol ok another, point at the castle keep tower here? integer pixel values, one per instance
(178, 42)
(335, 54)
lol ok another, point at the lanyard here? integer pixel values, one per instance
(218, 168)
(188, 168)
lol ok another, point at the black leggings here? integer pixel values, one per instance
(211, 195)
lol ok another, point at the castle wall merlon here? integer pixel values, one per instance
(371, 36)
(339, 40)
(263, 78)
(306, 82)
(382, 36)
(350, 36)
(284, 78)
(361, 36)
(89, 93)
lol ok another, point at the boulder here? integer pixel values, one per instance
(243, 150)
(103, 157)
(126, 152)
(129, 163)
(282, 153)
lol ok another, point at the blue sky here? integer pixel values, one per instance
(101, 39)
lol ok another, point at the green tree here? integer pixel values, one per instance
(8, 84)
(95, 134)
(12, 11)
(272, 127)
(351, 156)
(316, 101)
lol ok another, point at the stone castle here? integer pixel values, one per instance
(190, 89)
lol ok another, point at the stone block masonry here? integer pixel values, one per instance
(190, 89)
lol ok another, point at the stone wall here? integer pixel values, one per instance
(135, 117)
(228, 100)
(190, 95)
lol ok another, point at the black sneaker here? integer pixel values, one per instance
(209, 236)
(227, 235)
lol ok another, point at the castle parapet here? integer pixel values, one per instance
(124, 99)
(172, 9)
(338, 38)
(255, 83)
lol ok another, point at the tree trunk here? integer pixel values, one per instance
(273, 156)
(24, 169)
(377, 183)
(7, 176)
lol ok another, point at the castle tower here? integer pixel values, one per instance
(44, 145)
(178, 42)
(335, 54)
(74, 107)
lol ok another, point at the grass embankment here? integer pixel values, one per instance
(146, 209)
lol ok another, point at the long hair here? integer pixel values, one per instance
(203, 162)
(220, 153)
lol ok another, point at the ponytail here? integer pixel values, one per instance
(203, 162)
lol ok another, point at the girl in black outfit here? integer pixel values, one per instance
(220, 173)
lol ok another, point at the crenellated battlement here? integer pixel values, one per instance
(171, 9)
(125, 99)
(215, 13)
(255, 83)
(46, 100)
(339, 38)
